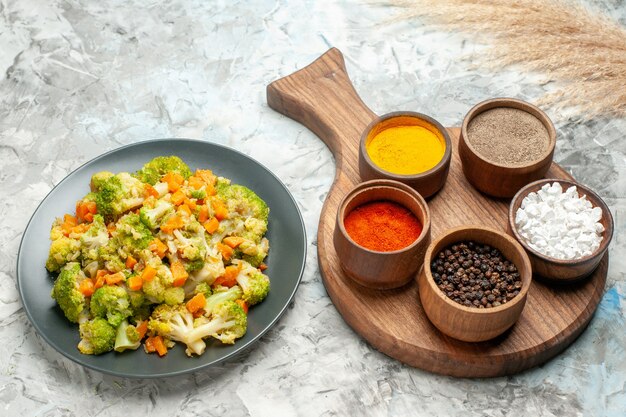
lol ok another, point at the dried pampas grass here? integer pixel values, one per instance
(584, 52)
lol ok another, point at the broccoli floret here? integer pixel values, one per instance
(232, 294)
(176, 323)
(198, 194)
(111, 302)
(97, 336)
(66, 293)
(127, 337)
(253, 253)
(254, 229)
(110, 256)
(132, 235)
(254, 283)
(203, 288)
(139, 305)
(243, 201)
(191, 248)
(118, 194)
(155, 289)
(161, 165)
(62, 251)
(192, 266)
(98, 179)
(174, 295)
(228, 322)
(152, 217)
(93, 239)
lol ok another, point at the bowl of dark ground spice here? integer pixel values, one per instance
(505, 144)
(474, 282)
(381, 233)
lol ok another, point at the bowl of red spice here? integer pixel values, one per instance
(505, 144)
(381, 233)
(474, 282)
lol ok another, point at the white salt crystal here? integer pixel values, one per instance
(559, 224)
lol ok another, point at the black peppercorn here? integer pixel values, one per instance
(475, 275)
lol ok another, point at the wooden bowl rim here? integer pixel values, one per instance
(441, 165)
(514, 104)
(608, 232)
(526, 278)
(384, 183)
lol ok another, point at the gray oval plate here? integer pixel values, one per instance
(285, 262)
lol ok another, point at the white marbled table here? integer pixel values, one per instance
(78, 78)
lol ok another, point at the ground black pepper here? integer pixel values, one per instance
(508, 136)
(475, 275)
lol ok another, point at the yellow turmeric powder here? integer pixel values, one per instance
(405, 149)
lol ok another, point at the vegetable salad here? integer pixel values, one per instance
(160, 256)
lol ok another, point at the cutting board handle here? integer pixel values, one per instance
(322, 98)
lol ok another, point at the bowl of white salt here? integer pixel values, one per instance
(564, 227)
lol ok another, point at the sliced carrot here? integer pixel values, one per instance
(220, 210)
(233, 241)
(204, 214)
(174, 222)
(92, 207)
(196, 303)
(198, 313)
(225, 250)
(231, 271)
(195, 182)
(130, 262)
(179, 273)
(150, 191)
(207, 176)
(148, 273)
(70, 220)
(184, 210)
(142, 328)
(159, 345)
(158, 247)
(262, 266)
(135, 282)
(81, 228)
(99, 280)
(89, 217)
(81, 210)
(149, 345)
(191, 204)
(86, 287)
(229, 279)
(174, 181)
(115, 278)
(210, 190)
(211, 225)
(178, 198)
(243, 305)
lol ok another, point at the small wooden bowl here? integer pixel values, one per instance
(467, 323)
(502, 180)
(427, 183)
(381, 270)
(558, 269)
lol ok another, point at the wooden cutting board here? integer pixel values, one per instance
(322, 98)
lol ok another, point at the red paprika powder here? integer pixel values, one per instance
(382, 226)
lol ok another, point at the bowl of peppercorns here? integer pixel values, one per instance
(474, 282)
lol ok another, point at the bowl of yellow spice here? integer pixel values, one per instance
(408, 147)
